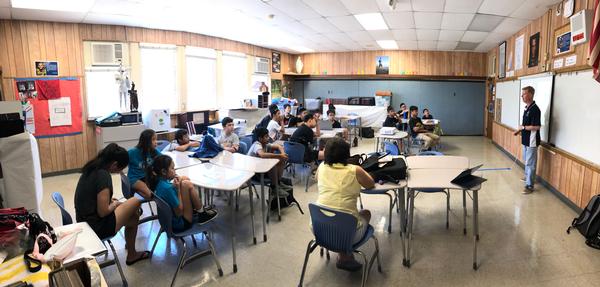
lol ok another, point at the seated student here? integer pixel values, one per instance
(94, 202)
(335, 123)
(261, 148)
(275, 127)
(140, 157)
(179, 194)
(296, 121)
(418, 131)
(266, 119)
(403, 114)
(306, 136)
(182, 142)
(228, 139)
(339, 185)
(427, 115)
(392, 118)
(287, 114)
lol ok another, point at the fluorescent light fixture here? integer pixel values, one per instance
(371, 21)
(55, 5)
(301, 49)
(387, 44)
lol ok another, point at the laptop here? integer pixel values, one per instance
(325, 125)
(467, 180)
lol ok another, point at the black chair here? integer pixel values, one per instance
(127, 193)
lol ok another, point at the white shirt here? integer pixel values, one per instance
(274, 130)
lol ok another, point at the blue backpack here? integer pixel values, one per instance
(208, 149)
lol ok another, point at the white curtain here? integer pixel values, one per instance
(159, 78)
(235, 80)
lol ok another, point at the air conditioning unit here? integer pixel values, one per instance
(107, 54)
(581, 27)
(261, 65)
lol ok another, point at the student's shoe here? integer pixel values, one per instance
(350, 265)
(528, 189)
(205, 215)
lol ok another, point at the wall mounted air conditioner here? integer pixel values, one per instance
(261, 65)
(107, 54)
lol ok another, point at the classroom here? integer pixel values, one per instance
(299, 143)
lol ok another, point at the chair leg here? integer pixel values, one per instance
(309, 249)
(308, 178)
(376, 254)
(194, 241)
(156, 241)
(360, 201)
(117, 263)
(447, 210)
(390, 212)
(364, 271)
(214, 254)
(181, 260)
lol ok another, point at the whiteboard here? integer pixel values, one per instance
(575, 116)
(542, 84)
(509, 92)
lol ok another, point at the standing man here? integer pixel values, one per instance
(530, 136)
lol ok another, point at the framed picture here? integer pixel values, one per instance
(382, 65)
(534, 50)
(46, 68)
(502, 60)
(562, 40)
(276, 62)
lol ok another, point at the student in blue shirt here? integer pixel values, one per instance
(178, 193)
(140, 157)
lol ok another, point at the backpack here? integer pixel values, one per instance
(367, 132)
(588, 223)
(287, 201)
(208, 149)
(392, 171)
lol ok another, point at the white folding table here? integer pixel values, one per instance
(211, 176)
(88, 244)
(444, 161)
(397, 136)
(182, 159)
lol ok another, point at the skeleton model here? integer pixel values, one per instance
(122, 78)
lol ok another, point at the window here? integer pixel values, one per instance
(159, 77)
(102, 92)
(235, 80)
(201, 67)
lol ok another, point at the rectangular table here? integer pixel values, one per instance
(182, 159)
(211, 176)
(260, 166)
(445, 161)
(88, 243)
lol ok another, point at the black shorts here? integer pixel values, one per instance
(105, 227)
(186, 225)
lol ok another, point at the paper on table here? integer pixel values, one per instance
(60, 112)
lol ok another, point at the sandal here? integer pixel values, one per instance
(145, 255)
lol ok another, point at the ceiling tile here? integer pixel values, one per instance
(451, 35)
(532, 9)
(384, 6)
(427, 45)
(295, 9)
(405, 34)
(45, 15)
(455, 21)
(299, 29)
(339, 37)
(399, 20)
(510, 26)
(466, 46)
(428, 20)
(96, 18)
(474, 36)
(408, 45)
(368, 44)
(320, 24)
(328, 7)
(485, 46)
(345, 23)
(360, 6)
(428, 5)
(427, 35)
(4, 13)
(381, 34)
(499, 7)
(462, 6)
(485, 23)
(360, 36)
(353, 46)
(319, 39)
(446, 45)
(5, 3)
(497, 37)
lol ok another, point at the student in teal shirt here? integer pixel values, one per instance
(179, 194)
(140, 158)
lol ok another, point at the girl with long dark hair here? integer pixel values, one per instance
(140, 158)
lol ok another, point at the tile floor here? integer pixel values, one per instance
(523, 239)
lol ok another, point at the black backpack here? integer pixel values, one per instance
(286, 201)
(588, 223)
(391, 171)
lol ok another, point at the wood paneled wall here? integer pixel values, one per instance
(428, 63)
(575, 178)
(23, 42)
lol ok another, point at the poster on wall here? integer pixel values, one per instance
(276, 62)
(519, 45)
(382, 65)
(562, 40)
(46, 68)
(534, 51)
(26, 90)
(502, 60)
(275, 89)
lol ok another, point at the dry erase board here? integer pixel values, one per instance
(542, 83)
(509, 92)
(575, 117)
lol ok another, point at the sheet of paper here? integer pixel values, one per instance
(570, 60)
(519, 52)
(558, 63)
(60, 112)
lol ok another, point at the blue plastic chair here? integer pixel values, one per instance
(165, 218)
(243, 148)
(161, 144)
(334, 230)
(247, 139)
(295, 152)
(128, 193)
(67, 219)
(391, 148)
(435, 190)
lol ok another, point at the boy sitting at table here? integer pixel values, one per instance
(336, 124)
(263, 149)
(228, 139)
(296, 121)
(392, 118)
(306, 136)
(182, 142)
(275, 127)
(419, 132)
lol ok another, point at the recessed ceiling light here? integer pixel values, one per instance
(387, 44)
(55, 5)
(301, 49)
(371, 21)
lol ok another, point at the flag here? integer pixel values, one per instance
(594, 52)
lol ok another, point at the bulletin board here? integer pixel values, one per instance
(55, 104)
